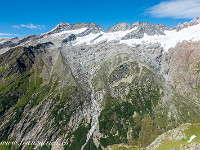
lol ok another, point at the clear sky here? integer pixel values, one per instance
(25, 17)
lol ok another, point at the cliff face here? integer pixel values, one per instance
(183, 63)
(81, 87)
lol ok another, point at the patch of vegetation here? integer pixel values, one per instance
(2, 69)
(29, 147)
(185, 105)
(9, 145)
(91, 146)
(60, 115)
(198, 67)
(45, 147)
(6, 102)
(117, 119)
(198, 90)
(79, 137)
(130, 120)
(122, 147)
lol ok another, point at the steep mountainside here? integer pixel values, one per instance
(80, 87)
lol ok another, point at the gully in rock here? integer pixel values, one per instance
(95, 114)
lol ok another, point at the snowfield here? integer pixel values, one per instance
(167, 41)
(69, 32)
(102, 36)
(170, 39)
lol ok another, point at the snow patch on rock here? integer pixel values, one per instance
(191, 138)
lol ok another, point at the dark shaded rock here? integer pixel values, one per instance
(72, 37)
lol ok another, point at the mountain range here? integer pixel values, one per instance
(85, 88)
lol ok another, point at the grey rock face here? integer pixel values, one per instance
(145, 28)
(15, 42)
(61, 27)
(123, 26)
(136, 24)
(72, 37)
(91, 28)
(9, 43)
(27, 38)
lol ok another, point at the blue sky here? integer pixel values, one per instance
(22, 17)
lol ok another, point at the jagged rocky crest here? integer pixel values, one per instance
(140, 30)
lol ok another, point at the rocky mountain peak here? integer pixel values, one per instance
(91, 27)
(122, 26)
(193, 22)
(136, 24)
(145, 28)
(61, 26)
(86, 25)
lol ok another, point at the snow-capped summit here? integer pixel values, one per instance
(64, 27)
